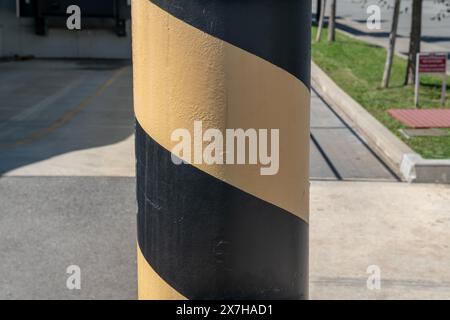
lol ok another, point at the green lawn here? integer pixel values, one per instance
(357, 67)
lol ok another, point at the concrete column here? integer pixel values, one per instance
(214, 223)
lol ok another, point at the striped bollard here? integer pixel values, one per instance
(221, 91)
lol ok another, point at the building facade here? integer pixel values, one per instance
(38, 28)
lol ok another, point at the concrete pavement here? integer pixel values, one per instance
(338, 152)
(67, 195)
(56, 115)
(90, 222)
(402, 229)
(50, 223)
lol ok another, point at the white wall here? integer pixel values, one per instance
(19, 39)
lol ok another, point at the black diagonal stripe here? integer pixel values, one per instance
(276, 30)
(210, 240)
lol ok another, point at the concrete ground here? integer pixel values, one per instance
(50, 223)
(338, 152)
(67, 195)
(402, 229)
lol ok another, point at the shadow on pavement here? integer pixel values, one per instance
(52, 107)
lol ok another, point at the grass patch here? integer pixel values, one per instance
(357, 67)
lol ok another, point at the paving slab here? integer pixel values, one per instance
(358, 163)
(400, 228)
(337, 151)
(320, 169)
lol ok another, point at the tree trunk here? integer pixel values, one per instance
(415, 38)
(318, 12)
(321, 20)
(391, 48)
(332, 23)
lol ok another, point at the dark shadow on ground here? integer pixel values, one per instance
(435, 39)
(357, 32)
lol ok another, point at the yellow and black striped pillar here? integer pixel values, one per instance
(222, 231)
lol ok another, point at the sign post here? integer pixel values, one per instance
(431, 63)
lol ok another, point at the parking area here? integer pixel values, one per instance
(67, 185)
(67, 190)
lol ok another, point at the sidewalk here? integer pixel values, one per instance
(401, 228)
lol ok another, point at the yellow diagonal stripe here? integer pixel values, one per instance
(182, 75)
(151, 285)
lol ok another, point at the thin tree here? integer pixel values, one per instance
(415, 39)
(391, 48)
(332, 23)
(321, 21)
(318, 12)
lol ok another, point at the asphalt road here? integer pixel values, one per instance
(67, 194)
(67, 186)
(434, 31)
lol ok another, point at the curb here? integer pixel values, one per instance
(399, 156)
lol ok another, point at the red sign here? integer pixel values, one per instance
(433, 63)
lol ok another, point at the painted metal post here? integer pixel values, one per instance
(216, 229)
(444, 86)
(417, 84)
